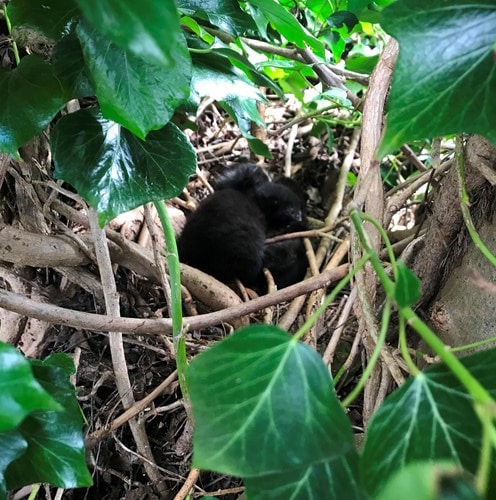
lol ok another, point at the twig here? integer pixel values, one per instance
(327, 76)
(336, 335)
(97, 322)
(289, 150)
(336, 207)
(190, 482)
(130, 413)
(116, 345)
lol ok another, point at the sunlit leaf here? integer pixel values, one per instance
(226, 14)
(287, 25)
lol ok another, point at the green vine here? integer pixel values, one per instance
(176, 306)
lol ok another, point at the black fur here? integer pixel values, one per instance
(245, 178)
(225, 237)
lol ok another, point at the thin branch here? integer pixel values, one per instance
(97, 322)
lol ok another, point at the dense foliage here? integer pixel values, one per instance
(263, 402)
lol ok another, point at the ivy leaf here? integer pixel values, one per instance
(256, 76)
(20, 392)
(445, 76)
(333, 480)
(138, 95)
(430, 417)
(31, 97)
(13, 446)
(407, 290)
(70, 68)
(113, 169)
(226, 14)
(53, 18)
(429, 480)
(264, 404)
(149, 29)
(55, 452)
(287, 25)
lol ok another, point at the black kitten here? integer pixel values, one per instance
(283, 204)
(225, 238)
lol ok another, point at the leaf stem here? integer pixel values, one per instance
(176, 306)
(9, 27)
(386, 315)
(475, 389)
(412, 367)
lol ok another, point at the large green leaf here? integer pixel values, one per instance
(31, 96)
(113, 169)
(226, 14)
(70, 68)
(430, 417)
(12, 445)
(55, 452)
(20, 392)
(53, 18)
(445, 78)
(149, 28)
(137, 94)
(333, 480)
(264, 404)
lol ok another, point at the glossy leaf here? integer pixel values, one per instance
(13, 446)
(31, 97)
(20, 392)
(55, 453)
(226, 14)
(113, 169)
(264, 404)
(138, 95)
(333, 480)
(429, 481)
(70, 68)
(149, 28)
(407, 290)
(430, 417)
(287, 25)
(53, 18)
(256, 76)
(445, 75)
